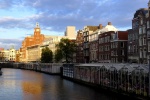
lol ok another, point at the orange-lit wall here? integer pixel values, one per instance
(35, 39)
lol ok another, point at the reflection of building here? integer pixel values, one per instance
(32, 87)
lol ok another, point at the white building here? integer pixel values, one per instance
(70, 32)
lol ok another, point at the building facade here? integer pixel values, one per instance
(113, 47)
(79, 49)
(86, 33)
(70, 32)
(33, 53)
(148, 32)
(35, 39)
(12, 54)
(104, 43)
(119, 41)
(138, 37)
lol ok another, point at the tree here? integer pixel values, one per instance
(47, 55)
(58, 55)
(67, 48)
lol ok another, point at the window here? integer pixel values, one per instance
(144, 29)
(112, 53)
(148, 34)
(121, 44)
(108, 38)
(134, 48)
(111, 45)
(108, 48)
(129, 37)
(116, 44)
(106, 57)
(140, 41)
(144, 53)
(148, 46)
(140, 30)
(144, 40)
(87, 33)
(129, 48)
(84, 33)
(140, 53)
(141, 21)
(122, 52)
(147, 24)
(99, 41)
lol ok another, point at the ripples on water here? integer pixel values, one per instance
(16, 84)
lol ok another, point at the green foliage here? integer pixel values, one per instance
(67, 48)
(47, 55)
(58, 55)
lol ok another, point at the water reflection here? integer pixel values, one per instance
(18, 84)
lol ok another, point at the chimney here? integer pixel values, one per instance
(100, 26)
(109, 23)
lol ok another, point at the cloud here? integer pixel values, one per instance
(7, 43)
(55, 15)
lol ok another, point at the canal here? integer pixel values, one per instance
(16, 84)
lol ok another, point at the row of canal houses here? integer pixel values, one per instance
(108, 44)
(101, 44)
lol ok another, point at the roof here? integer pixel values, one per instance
(142, 11)
(90, 65)
(109, 28)
(92, 28)
(118, 66)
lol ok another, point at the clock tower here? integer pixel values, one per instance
(37, 30)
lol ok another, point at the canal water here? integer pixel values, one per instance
(16, 84)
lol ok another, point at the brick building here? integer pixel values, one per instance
(113, 46)
(93, 44)
(79, 48)
(35, 39)
(86, 32)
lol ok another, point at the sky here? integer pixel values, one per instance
(18, 17)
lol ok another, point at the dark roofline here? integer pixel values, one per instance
(144, 11)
